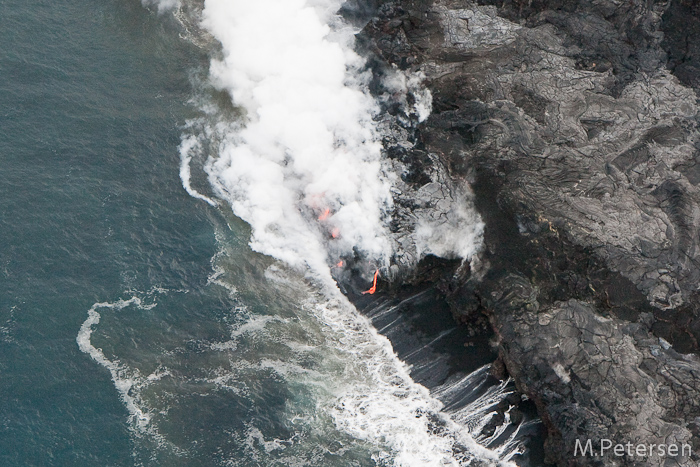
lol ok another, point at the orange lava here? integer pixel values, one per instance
(374, 284)
(335, 232)
(325, 215)
(340, 264)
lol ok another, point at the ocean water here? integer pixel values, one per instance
(92, 96)
(141, 325)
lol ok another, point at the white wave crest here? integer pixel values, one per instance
(187, 147)
(129, 382)
(385, 406)
(122, 377)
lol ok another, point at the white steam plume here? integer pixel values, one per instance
(304, 168)
(186, 149)
(162, 5)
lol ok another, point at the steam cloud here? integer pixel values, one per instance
(162, 5)
(308, 142)
(303, 165)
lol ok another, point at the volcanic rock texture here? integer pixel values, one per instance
(576, 124)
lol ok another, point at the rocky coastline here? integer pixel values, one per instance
(574, 125)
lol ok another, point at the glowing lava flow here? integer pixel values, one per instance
(374, 284)
(325, 215)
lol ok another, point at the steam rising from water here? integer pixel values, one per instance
(308, 142)
(162, 5)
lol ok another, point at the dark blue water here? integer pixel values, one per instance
(92, 95)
